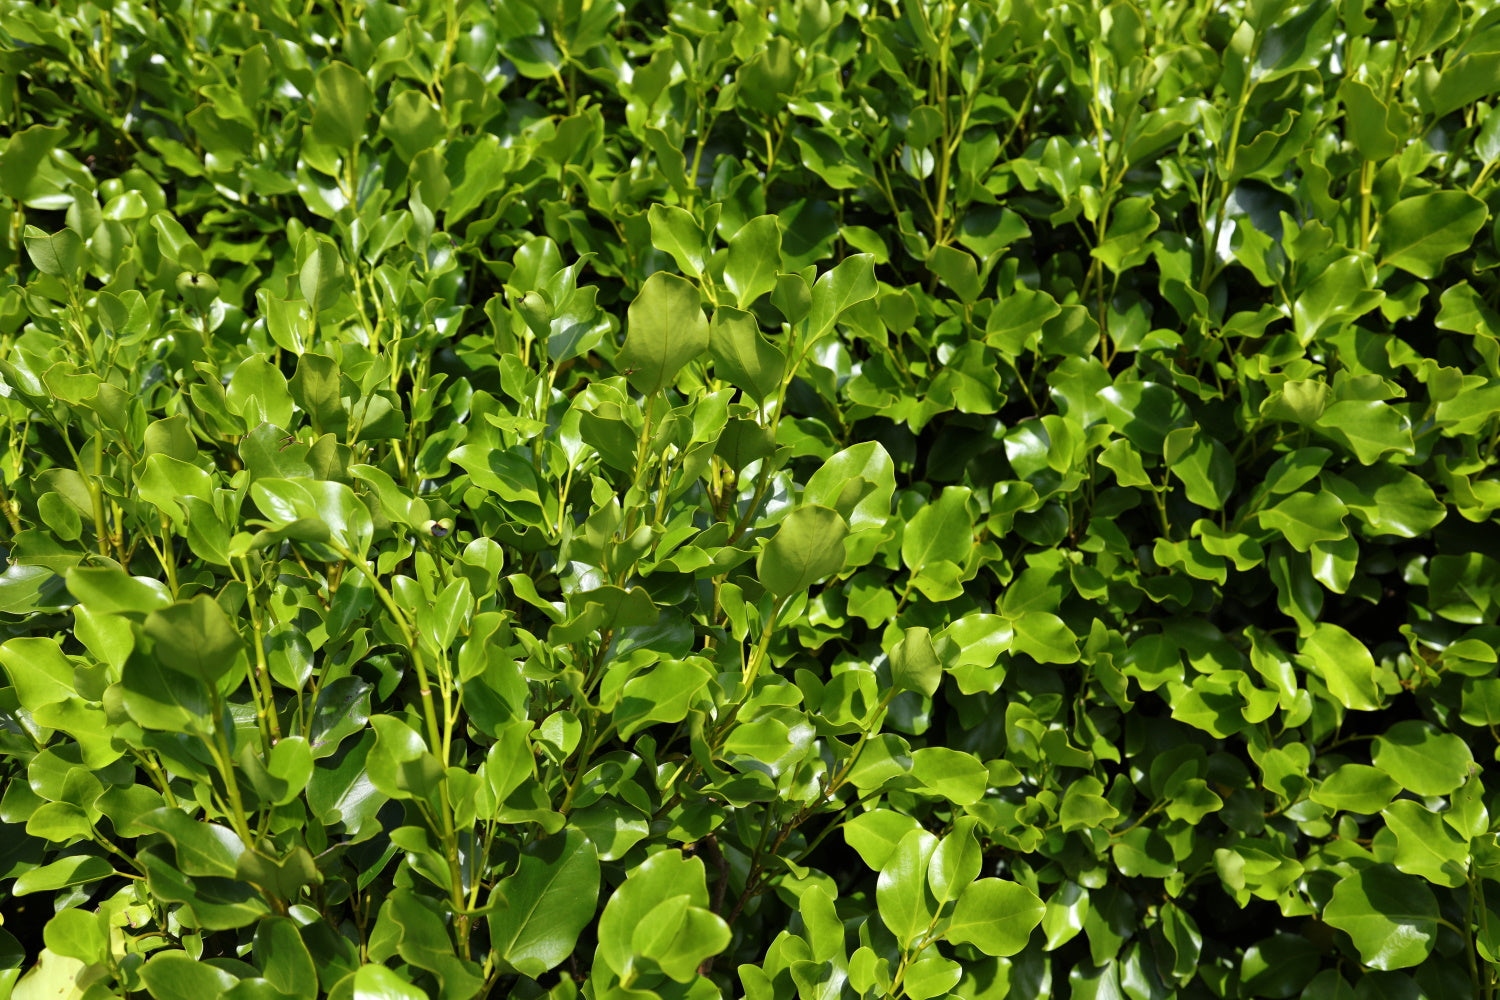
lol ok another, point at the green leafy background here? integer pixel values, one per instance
(632, 499)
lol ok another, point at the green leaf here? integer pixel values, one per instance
(176, 975)
(1369, 121)
(792, 298)
(932, 976)
(665, 693)
(1391, 917)
(666, 329)
(1481, 701)
(678, 937)
(754, 260)
(341, 105)
(165, 481)
(971, 649)
(675, 232)
(851, 282)
(914, 663)
(202, 848)
(322, 276)
(1298, 401)
(283, 957)
(958, 777)
(159, 697)
(901, 894)
(258, 392)
(870, 517)
(376, 982)
(958, 271)
(766, 743)
(59, 255)
(1143, 411)
(1422, 759)
(1389, 500)
(60, 874)
(807, 547)
(1370, 428)
(742, 356)
(941, 531)
(665, 878)
(768, 76)
(996, 916)
(1425, 845)
(1044, 637)
(1307, 518)
(198, 289)
(875, 834)
(1345, 664)
(956, 862)
(38, 670)
(1356, 788)
(315, 387)
(541, 908)
(400, 765)
(412, 123)
(78, 934)
(1130, 225)
(825, 929)
(1016, 322)
(196, 638)
(1204, 465)
(23, 164)
(1294, 45)
(1418, 234)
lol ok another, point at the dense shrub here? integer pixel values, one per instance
(986, 499)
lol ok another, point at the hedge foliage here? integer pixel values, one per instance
(977, 498)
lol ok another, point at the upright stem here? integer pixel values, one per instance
(218, 748)
(266, 710)
(752, 669)
(429, 710)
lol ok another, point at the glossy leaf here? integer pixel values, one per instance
(807, 547)
(1345, 665)
(848, 284)
(543, 906)
(996, 916)
(754, 259)
(1357, 788)
(742, 356)
(1391, 917)
(666, 329)
(195, 638)
(1420, 233)
(1422, 759)
(342, 103)
(906, 904)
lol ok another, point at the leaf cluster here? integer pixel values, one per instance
(810, 499)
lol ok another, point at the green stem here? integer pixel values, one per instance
(1211, 252)
(429, 711)
(266, 711)
(843, 775)
(168, 562)
(9, 507)
(1476, 912)
(1366, 176)
(752, 669)
(218, 748)
(703, 134)
(642, 463)
(96, 498)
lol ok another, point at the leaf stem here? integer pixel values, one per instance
(266, 708)
(429, 712)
